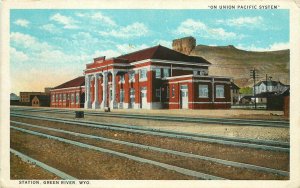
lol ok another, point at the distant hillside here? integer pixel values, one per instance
(236, 63)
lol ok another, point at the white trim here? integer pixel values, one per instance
(177, 68)
(171, 102)
(155, 105)
(169, 62)
(213, 76)
(140, 62)
(138, 68)
(179, 62)
(222, 82)
(209, 102)
(182, 81)
(143, 80)
(104, 66)
(174, 77)
(60, 89)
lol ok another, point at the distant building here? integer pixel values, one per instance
(14, 97)
(270, 86)
(40, 100)
(263, 97)
(69, 94)
(277, 101)
(25, 96)
(235, 93)
(47, 90)
(247, 99)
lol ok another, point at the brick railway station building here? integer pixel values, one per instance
(69, 94)
(153, 78)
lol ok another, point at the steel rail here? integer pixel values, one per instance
(223, 121)
(162, 150)
(180, 170)
(257, 144)
(43, 165)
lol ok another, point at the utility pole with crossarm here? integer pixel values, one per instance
(253, 74)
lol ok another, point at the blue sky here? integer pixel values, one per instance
(49, 47)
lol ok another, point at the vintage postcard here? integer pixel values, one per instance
(102, 94)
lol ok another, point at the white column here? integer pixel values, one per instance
(113, 102)
(95, 104)
(104, 90)
(87, 103)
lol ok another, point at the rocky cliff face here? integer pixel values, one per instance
(184, 45)
(235, 63)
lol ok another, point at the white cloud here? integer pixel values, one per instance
(280, 46)
(136, 29)
(22, 22)
(42, 52)
(243, 21)
(165, 43)
(66, 21)
(106, 53)
(101, 18)
(28, 41)
(50, 28)
(193, 27)
(18, 56)
(273, 47)
(127, 48)
(120, 49)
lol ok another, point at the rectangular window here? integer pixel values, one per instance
(56, 97)
(219, 91)
(173, 91)
(65, 96)
(143, 92)
(166, 72)
(53, 98)
(131, 76)
(132, 92)
(121, 95)
(122, 78)
(60, 97)
(203, 91)
(157, 93)
(195, 72)
(168, 92)
(77, 98)
(157, 73)
(72, 98)
(143, 74)
(202, 73)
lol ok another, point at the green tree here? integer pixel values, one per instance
(246, 90)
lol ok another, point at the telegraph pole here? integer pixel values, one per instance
(267, 82)
(254, 75)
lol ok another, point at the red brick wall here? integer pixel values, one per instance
(67, 103)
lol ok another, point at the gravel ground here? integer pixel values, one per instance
(23, 170)
(189, 163)
(87, 164)
(253, 132)
(246, 155)
(227, 113)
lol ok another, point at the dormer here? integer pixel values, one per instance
(99, 59)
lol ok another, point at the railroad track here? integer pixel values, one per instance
(42, 165)
(240, 142)
(79, 139)
(222, 121)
